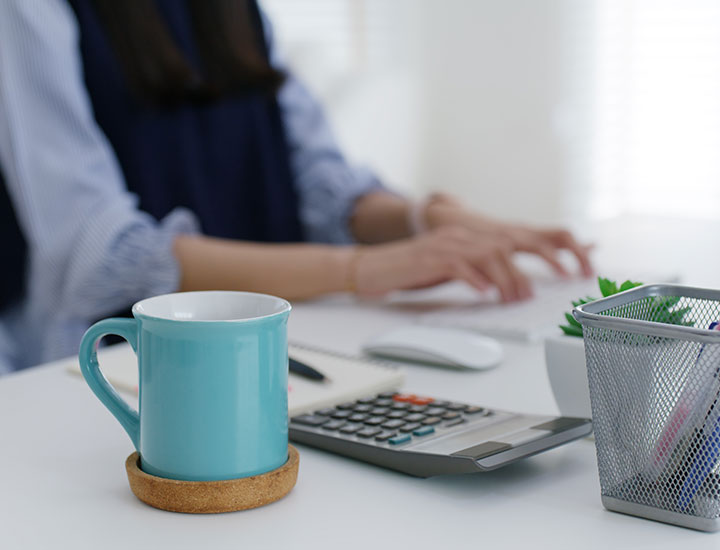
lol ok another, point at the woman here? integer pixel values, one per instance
(155, 146)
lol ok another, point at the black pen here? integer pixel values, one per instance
(306, 371)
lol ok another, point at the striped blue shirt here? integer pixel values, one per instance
(92, 252)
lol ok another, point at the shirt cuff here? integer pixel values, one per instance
(325, 210)
(128, 260)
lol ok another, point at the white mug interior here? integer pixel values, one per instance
(211, 305)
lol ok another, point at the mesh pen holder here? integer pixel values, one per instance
(653, 360)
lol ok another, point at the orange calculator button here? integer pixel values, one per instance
(421, 400)
(404, 397)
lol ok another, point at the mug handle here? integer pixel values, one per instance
(127, 329)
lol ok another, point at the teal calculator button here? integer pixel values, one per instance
(404, 438)
(425, 430)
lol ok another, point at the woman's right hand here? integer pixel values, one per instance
(443, 254)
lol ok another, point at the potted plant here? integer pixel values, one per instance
(565, 353)
(565, 358)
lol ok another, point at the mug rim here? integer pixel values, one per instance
(285, 307)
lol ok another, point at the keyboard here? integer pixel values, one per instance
(531, 320)
(424, 436)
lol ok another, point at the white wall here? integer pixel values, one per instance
(487, 99)
(537, 110)
(507, 94)
(360, 57)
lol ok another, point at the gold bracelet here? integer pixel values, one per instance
(351, 271)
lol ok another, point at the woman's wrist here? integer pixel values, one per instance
(441, 209)
(445, 210)
(344, 268)
(351, 269)
(380, 217)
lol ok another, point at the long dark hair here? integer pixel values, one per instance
(228, 38)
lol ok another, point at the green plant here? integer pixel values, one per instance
(607, 288)
(659, 309)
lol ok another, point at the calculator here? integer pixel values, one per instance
(424, 436)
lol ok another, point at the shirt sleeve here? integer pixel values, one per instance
(92, 252)
(327, 184)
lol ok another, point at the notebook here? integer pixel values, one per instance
(348, 377)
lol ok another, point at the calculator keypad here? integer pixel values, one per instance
(391, 417)
(410, 427)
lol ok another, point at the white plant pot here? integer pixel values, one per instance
(565, 362)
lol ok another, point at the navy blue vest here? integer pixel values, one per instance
(227, 160)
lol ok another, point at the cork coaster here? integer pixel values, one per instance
(212, 497)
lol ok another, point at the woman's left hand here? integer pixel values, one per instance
(442, 210)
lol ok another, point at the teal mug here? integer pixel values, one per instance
(213, 369)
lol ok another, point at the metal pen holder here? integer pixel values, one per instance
(653, 360)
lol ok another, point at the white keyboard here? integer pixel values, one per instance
(532, 320)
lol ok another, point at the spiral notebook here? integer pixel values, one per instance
(347, 377)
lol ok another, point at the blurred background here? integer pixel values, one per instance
(530, 110)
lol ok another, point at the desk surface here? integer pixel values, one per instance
(63, 482)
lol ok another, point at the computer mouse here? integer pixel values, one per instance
(442, 346)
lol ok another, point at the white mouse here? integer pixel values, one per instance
(441, 346)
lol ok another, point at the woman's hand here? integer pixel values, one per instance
(440, 255)
(460, 244)
(444, 211)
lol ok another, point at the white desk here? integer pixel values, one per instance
(63, 484)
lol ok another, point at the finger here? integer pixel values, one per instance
(520, 280)
(490, 262)
(549, 254)
(564, 239)
(426, 284)
(500, 278)
(496, 271)
(464, 271)
(582, 253)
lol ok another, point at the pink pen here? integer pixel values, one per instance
(680, 423)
